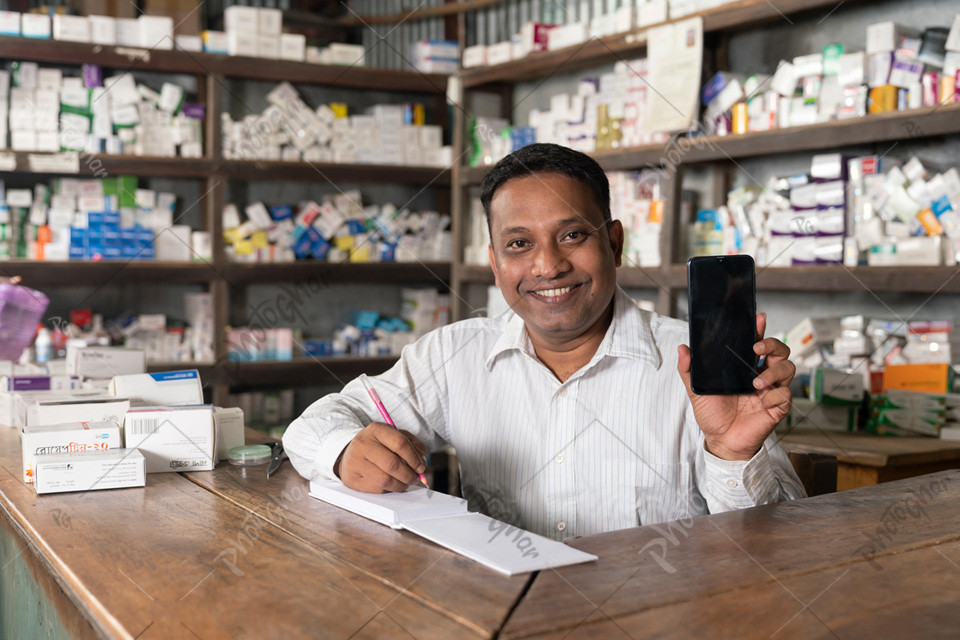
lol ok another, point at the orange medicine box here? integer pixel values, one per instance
(931, 378)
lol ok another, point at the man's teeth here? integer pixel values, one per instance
(553, 293)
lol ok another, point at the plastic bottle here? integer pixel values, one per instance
(44, 345)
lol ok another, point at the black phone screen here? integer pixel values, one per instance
(723, 308)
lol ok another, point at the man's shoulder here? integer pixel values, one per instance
(471, 334)
(667, 330)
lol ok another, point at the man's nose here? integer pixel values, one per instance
(550, 261)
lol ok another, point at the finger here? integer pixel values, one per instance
(777, 397)
(415, 441)
(761, 325)
(400, 445)
(683, 367)
(778, 374)
(772, 348)
(372, 479)
(389, 463)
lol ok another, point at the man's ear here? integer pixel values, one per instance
(615, 232)
(493, 265)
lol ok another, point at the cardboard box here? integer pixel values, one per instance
(242, 43)
(90, 470)
(156, 32)
(215, 42)
(105, 362)
(10, 386)
(39, 412)
(270, 21)
(103, 30)
(9, 23)
(932, 378)
(71, 28)
(230, 433)
(884, 37)
(173, 438)
(241, 19)
(293, 46)
(66, 438)
(166, 388)
(35, 25)
(810, 333)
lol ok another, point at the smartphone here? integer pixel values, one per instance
(723, 324)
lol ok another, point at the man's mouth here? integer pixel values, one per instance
(555, 293)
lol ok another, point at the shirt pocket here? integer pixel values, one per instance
(667, 492)
(618, 493)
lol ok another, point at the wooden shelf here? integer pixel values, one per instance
(871, 129)
(323, 172)
(81, 273)
(839, 278)
(330, 75)
(610, 49)
(627, 277)
(301, 372)
(927, 122)
(338, 273)
(113, 165)
(193, 63)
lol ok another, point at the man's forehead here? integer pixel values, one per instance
(580, 207)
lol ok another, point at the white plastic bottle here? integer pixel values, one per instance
(44, 346)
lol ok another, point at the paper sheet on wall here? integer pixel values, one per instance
(675, 57)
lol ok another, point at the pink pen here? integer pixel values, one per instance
(383, 412)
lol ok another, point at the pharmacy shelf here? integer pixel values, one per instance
(95, 274)
(871, 129)
(627, 277)
(609, 49)
(840, 278)
(328, 273)
(120, 58)
(347, 76)
(301, 371)
(329, 174)
(103, 165)
(193, 63)
(927, 122)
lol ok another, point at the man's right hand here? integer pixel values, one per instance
(381, 459)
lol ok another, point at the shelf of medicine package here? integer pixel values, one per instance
(82, 164)
(609, 49)
(882, 127)
(304, 371)
(627, 277)
(195, 63)
(837, 277)
(331, 273)
(38, 273)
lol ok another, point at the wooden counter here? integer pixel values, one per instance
(864, 459)
(231, 554)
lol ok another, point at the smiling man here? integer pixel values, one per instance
(572, 413)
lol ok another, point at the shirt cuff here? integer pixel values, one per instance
(743, 483)
(331, 446)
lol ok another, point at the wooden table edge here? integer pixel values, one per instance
(89, 606)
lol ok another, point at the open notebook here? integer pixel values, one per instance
(444, 519)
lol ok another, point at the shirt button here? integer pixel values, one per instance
(562, 393)
(561, 526)
(559, 457)
(732, 483)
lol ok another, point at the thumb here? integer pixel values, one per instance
(683, 367)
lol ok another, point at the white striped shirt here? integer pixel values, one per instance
(614, 446)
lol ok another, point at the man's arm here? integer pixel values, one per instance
(414, 392)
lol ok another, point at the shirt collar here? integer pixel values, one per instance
(628, 336)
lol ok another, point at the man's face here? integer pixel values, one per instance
(553, 257)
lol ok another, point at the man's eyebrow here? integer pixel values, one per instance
(560, 223)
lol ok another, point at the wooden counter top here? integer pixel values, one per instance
(231, 554)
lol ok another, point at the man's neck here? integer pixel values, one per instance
(569, 356)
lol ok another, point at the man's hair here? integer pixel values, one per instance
(547, 158)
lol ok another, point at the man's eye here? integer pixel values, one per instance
(517, 244)
(577, 235)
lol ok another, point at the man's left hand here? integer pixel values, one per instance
(735, 427)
